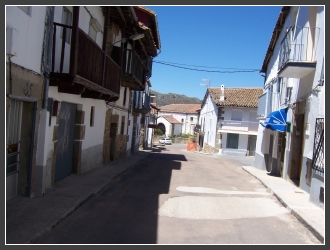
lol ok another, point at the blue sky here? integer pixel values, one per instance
(219, 38)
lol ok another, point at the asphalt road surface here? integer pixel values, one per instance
(178, 197)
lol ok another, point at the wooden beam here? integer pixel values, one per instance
(76, 89)
(91, 94)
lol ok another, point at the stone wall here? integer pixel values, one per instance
(208, 149)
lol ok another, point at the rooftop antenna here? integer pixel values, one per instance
(206, 82)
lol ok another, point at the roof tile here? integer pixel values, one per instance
(237, 97)
(171, 119)
(181, 108)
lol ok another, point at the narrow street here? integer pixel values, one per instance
(178, 197)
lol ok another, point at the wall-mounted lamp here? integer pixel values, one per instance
(132, 38)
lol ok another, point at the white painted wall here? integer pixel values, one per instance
(30, 35)
(93, 135)
(302, 89)
(168, 125)
(209, 113)
(177, 129)
(184, 118)
(88, 12)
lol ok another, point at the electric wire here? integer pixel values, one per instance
(211, 71)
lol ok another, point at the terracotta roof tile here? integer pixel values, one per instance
(181, 108)
(171, 119)
(237, 97)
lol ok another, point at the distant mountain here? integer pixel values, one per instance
(171, 98)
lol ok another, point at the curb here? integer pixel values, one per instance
(292, 211)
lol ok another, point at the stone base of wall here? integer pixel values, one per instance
(208, 149)
(121, 142)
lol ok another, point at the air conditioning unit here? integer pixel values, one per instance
(11, 41)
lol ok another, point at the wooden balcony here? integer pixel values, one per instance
(134, 71)
(82, 67)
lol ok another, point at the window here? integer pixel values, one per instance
(26, 9)
(191, 119)
(236, 115)
(122, 125)
(66, 19)
(182, 120)
(92, 116)
(232, 141)
(125, 92)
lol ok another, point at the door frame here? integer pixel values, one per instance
(31, 153)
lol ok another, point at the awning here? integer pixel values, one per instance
(276, 120)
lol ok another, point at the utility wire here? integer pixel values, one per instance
(199, 66)
(214, 71)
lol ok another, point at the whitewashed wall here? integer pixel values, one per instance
(209, 112)
(184, 118)
(29, 41)
(168, 126)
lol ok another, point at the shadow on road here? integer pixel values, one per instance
(125, 212)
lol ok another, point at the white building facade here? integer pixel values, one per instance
(228, 121)
(69, 89)
(186, 114)
(294, 85)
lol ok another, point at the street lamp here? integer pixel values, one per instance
(132, 37)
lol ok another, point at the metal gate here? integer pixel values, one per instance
(318, 152)
(64, 148)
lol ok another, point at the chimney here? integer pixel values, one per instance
(222, 92)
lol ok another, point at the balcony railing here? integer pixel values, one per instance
(84, 65)
(244, 126)
(133, 74)
(298, 48)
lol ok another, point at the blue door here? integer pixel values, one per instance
(64, 148)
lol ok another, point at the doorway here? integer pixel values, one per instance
(65, 140)
(113, 133)
(296, 148)
(252, 145)
(20, 144)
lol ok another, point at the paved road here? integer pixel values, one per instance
(179, 197)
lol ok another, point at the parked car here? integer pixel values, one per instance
(165, 141)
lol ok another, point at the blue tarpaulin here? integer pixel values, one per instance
(276, 120)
